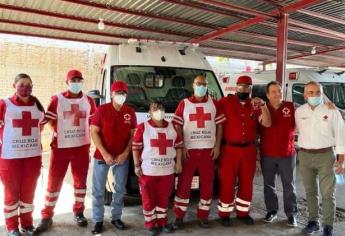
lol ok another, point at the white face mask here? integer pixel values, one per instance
(158, 115)
(119, 99)
(75, 87)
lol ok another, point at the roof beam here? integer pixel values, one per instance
(140, 13)
(247, 23)
(88, 20)
(323, 16)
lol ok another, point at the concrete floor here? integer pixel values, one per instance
(64, 225)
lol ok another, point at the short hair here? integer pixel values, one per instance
(313, 83)
(156, 103)
(22, 76)
(271, 84)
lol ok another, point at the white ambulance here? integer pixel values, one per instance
(333, 84)
(162, 71)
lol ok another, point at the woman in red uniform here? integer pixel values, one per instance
(20, 154)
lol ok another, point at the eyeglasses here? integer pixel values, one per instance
(200, 84)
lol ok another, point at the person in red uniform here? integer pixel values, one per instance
(112, 132)
(155, 147)
(278, 155)
(69, 115)
(199, 122)
(237, 163)
(21, 120)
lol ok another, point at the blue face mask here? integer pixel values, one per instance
(315, 101)
(75, 87)
(200, 91)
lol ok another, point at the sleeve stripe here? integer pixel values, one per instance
(50, 117)
(136, 148)
(178, 118)
(179, 143)
(177, 122)
(51, 113)
(221, 121)
(137, 143)
(219, 117)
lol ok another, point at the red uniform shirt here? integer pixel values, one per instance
(178, 116)
(138, 136)
(51, 114)
(241, 120)
(115, 127)
(278, 140)
(16, 101)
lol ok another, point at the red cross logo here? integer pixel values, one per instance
(162, 143)
(26, 123)
(74, 114)
(200, 117)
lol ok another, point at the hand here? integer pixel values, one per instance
(121, 158)
(185, 155)
(330, 105)
(108, 158)
(138, 171)
(2, 123)
(257, 102)
(178, 168)
(340, 168)
(215, 153)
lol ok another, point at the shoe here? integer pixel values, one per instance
(292, 222)
(44, 225)
(168, 229)
(15, 232)
(328, 230)
(270, 217)
(225, 221)
(154, 231)
(248, 220)
(178, 224)
(204, 223)
(97, 228)
(118, 224)
(29, 231)
(311, 228)
(80, 220)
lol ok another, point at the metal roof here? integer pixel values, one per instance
(245, 29)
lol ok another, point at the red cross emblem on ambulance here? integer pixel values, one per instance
(162, 143)
(74, 114)
(200, 117)
(26, 123)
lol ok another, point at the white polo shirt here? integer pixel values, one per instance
(320, 128)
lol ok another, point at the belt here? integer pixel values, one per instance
(315, 151)
(246, 144)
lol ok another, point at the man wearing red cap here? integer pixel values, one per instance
(69, 115)
(112, 130)
(237, 162)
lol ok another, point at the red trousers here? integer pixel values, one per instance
(60, 159)
(155, 192)
(237, 165)
(19, 177)
(199, 160)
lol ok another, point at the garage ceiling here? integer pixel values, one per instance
(244, 29)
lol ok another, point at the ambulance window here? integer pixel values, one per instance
(298, 94)
(104, 83)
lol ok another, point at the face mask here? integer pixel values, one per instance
(158, 115)
(119, 99)
(24, 90)
(315, 101)
(200, 90)
(242, 96)
(75, 87)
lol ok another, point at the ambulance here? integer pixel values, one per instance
(153, 70)
(333, 83)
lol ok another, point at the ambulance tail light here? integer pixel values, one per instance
(293, 76)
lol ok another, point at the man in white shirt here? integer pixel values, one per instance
(321, 137)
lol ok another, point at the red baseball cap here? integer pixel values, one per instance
(74, 74)
(244, 79)
(118, 86)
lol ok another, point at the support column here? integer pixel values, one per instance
(282, 37)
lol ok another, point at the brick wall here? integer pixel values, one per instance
(47, 65)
